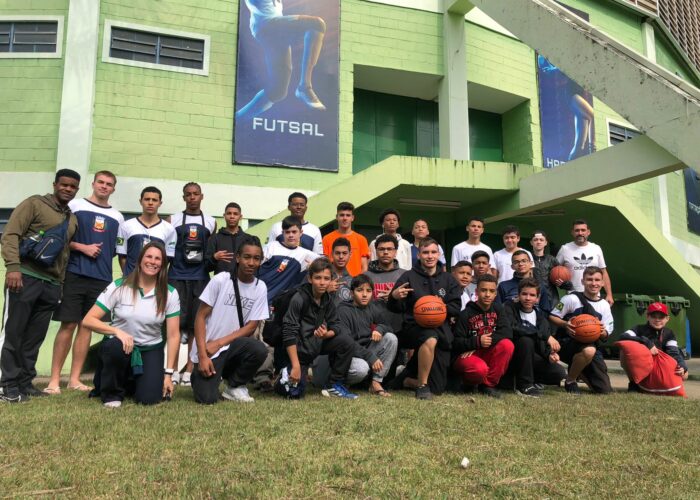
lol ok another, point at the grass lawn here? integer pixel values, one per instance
(618, 446)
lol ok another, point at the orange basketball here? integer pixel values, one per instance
(559, 273)
(587, 328)
(430, 311)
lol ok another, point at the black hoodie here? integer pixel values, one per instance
(474, 322)
(223, 240)
(384, 282)
(359, 322)
(511, 325)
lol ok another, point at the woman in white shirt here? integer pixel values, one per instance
(132, 357)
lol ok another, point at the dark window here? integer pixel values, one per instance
(153, 48)
(620, 134)
(28, 36)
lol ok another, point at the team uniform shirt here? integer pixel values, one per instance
(415, 252)
(464, 251)
(133, 236)
(577, 259)
(403, 253)
(223, 320)
(193, 232)
(358, 247)
(502, 261)
(284, 267)
(96, 224)
(570, 305)
(311, 238)
(137, 315)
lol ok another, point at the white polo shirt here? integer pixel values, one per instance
(137, 315)
(223, 320)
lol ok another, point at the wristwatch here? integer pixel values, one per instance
(169, 371)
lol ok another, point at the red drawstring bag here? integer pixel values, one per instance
(663, 380)
(637, 359)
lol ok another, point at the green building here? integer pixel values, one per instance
(440, 117)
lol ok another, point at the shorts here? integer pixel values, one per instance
(413, 336)
(79, 295)
(189, 292)
(569, 348)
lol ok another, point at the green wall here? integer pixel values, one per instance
(30, 99)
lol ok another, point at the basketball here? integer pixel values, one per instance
(430, 311)
(559, 273)
(587, 328)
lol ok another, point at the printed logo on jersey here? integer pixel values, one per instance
(559, 306)
(582, 262)
(246, 302)
(441, 293)
(120, 240)
(283, 266)
(192, 234)
(99, 224)
(482, 324)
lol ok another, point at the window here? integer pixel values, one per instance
(155, 48)
(31, 36)
(618, 133)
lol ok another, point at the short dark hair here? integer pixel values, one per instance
(481, 253)
(341, 242)
(462, 263)
(488, 278)
(425, 242)
(359, 280)
(578, 222)
(105, 173)
(191, 184)
(345, 205)
(389, 211)
(248, 240)
(296, 194)
(319, 265)
(290, 221)
(520, 252)
(151, 189)
(592, 270)
(386, 238)
(510, 229)
(539, 231)
(67, 172)
(529, 283)
(477, 218)
(233, 204)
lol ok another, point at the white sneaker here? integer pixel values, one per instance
(175, 377)
(112, 404)
(239, 394)
(186, 380)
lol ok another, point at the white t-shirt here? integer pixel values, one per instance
(403, 253)
(503, 260)
(570, 304)
(530, 317)
(311, 237)
(464, 251)
(577, 259)
(223, 320)
(138, 315)
(468, 295)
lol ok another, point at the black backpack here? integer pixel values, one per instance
(272, 331)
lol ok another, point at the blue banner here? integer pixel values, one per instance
(692, 197)
(287, 87)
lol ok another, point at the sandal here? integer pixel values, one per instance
(379, 392)
(52, 391)
(79, 387)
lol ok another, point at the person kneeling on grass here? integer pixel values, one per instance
(375, 346)
(656, 337)
(230, 310)
(131, 357)
(426, 371)
(535, 360)
(482, 348)
(311, 328)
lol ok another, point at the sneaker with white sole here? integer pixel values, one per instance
(239, 394)
(338, 390)
(112, 404)
(186, 380)
(175, 377)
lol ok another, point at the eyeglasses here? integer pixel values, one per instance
(518, 262)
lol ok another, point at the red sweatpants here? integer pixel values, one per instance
(485, 366)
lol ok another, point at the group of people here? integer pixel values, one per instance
(334, 310)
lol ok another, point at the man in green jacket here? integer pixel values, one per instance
(33, 280)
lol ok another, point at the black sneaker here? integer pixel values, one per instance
(531, 391)
(423, 392)
(491, 392)
(572, 388)
(632, 387)
(11, 396)
(32, 392)
(539, 386)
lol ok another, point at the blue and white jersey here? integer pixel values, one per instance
(192, 232)
(133, 236)
(96, 224)
(311, 238)
(284, 267)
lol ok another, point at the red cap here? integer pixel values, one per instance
(657, 307)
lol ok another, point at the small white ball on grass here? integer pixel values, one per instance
(464, 463)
